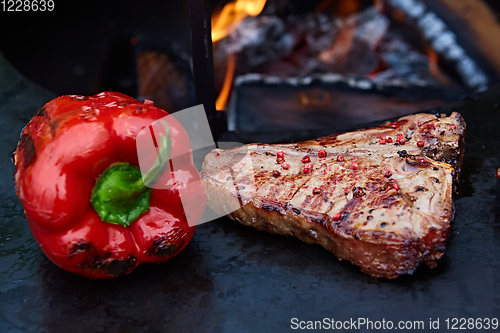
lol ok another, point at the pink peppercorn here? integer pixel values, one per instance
(308, 168)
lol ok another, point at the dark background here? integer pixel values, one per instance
(230, 278)
(84, 47)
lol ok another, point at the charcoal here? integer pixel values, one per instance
(403, 62)
(317, 29)
(353, 51)
(259, 40)
(306, 44)
(371, 26)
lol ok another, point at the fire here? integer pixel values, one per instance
(225, 22)
(433, 66)
(220, 103)
(228, 19)
(342, 45)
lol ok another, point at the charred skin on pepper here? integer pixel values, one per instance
(94, 260)
(27, 148)
(112, 267)
(42, 113)
(53, 122)
(162, 247)
(79, 247)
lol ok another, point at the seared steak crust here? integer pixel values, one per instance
(380, 198)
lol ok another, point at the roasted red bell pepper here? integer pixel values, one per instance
(77, 177)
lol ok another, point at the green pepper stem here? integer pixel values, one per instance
(164, 150)
(121, 194)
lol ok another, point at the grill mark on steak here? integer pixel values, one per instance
(273, 193)
(298, 188)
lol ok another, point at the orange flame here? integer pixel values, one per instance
(225, 22)
(228, 19)
(221, 102)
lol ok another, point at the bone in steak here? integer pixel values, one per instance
(381, 198)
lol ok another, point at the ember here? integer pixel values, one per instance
(339, 37)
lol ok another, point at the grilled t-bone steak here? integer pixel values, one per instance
(380, 198)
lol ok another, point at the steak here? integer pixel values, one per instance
(380, 197)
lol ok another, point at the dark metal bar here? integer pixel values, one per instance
(203, 65)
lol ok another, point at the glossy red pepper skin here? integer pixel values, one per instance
(61, 153)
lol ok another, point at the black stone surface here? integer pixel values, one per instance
(232, 278)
